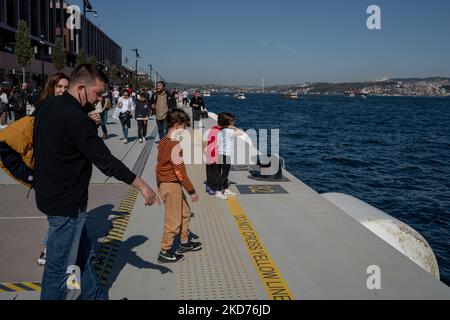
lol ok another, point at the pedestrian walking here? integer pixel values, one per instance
(198, 107)
(162, 102)
(102, 108)
(126, 108)
(142, 114)
(116, 96)
(4, 106)
(19, 105)
(185, 96)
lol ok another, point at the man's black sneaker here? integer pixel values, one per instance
(190, 246)
(169, 257)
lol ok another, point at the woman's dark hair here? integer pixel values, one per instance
(49, 90)
(178, 117)
(225, 119)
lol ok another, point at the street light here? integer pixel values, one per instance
(87, 7)
(42, 43)
(150, 74)
(137, 57)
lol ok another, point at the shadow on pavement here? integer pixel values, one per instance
(98, 224)
(126, 255)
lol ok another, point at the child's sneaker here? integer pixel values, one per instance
(42, 258)
(212, 192)
(230, 193)
(221, 196)
(169, 257)
(190, 246)
(207, 188)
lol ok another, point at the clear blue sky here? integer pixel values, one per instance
(285, 41)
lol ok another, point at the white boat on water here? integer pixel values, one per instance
(207, 93)
(293, 95)
(240, 96)
(350, 94)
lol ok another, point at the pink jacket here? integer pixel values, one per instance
(212, 149)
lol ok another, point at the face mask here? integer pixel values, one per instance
(87, 105)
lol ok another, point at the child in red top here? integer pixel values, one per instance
(212, 161)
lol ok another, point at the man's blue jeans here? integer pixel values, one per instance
(68, 245)
(162, 128)
(124, 124)
(104, 118)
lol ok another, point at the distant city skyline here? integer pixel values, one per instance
(284, 42)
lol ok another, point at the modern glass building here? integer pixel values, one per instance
(48, 19)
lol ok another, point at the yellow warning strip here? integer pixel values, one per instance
(12, 286)
(117, 231)
(32, 286)
(274, 284)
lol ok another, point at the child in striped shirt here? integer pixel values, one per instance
(172, 178)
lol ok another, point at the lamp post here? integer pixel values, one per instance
(150, 74)
(156, 79)
(136, 71)
(42, 43)
(87, 7)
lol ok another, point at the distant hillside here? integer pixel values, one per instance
(317, 87)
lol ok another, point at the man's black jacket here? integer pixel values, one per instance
(142, 109)
(65, 147)
(197, 103)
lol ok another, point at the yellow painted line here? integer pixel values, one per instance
(13, 287)
(127, 206)
(122, 229)
(32, 286)
(116, 234)
(116, 231)
(124, 222)
(120, 224)
(274, 284)
(114, 238)
(271, 278)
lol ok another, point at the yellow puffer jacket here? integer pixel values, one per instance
(17, 149)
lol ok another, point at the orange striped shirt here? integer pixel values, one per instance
(170, 166)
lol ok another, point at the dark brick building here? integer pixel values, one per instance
(49, 19)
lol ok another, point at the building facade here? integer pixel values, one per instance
(48, 20)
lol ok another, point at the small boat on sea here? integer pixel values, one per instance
(240, 96)
(293, 95)
(350, 94)
(207, 93)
